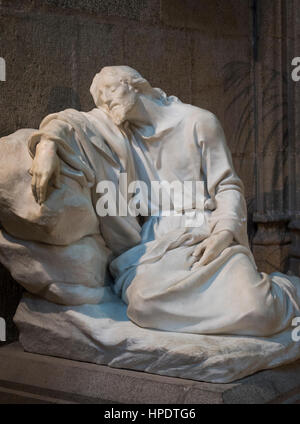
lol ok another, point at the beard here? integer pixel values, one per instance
(119, 113)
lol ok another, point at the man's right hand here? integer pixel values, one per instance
(45, 167)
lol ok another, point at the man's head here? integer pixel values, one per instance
(116, 89)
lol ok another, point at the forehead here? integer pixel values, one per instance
(108, 80)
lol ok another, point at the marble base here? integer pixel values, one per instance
(32, 378)
(102, 334)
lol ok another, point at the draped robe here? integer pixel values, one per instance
(152, 266)
(56, 250)
(155, 279)
(93, 149)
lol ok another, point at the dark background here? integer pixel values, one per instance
(232, 57)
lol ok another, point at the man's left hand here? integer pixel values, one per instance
(211, 247)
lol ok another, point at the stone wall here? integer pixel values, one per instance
(194, 49)
(277, 202)
(229, 56)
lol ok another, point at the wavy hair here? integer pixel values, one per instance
(132, 77)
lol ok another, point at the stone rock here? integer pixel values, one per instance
(31, 378)
(56, 220)
(102, 334)
(68, 275)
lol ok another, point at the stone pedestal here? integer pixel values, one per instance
(103, 334)
(31, 378)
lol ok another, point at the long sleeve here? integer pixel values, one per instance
(86, 158)
(224, 187)
(55, 129)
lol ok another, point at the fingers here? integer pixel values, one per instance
(195, 266)
(39, 185)
(33, 188)
(211, 248)
(208, 256)
(200, 248)
(42, 189)
(45, 167)
(200, 251)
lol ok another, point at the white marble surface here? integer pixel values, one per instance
(193, 284)
(54, 222)
(67, 275)
(103, 334)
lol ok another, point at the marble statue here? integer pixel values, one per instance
(117, 281)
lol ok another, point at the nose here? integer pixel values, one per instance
(106, 98)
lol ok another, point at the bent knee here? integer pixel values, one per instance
(264, 321)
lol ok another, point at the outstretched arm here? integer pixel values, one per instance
(45, 169)
(55, 151)
(228, 219)
(43, 147)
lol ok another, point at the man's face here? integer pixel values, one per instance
(117, 96)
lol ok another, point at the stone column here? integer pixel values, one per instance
(275, 143)
(293, 46)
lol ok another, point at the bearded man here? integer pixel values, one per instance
(174, 277)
